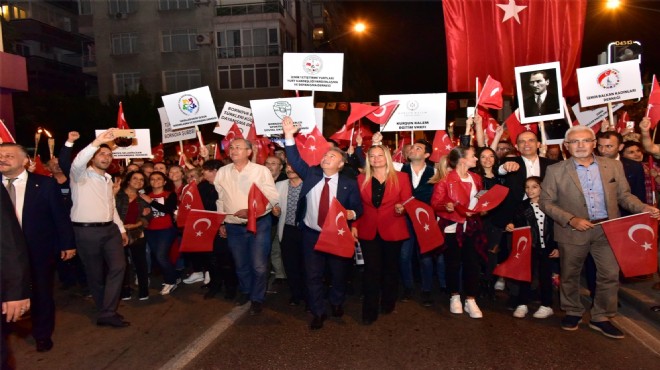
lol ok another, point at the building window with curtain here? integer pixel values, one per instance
(124, 43)
(126, 82)
(181, 80)
(175, 4)
(179, 40)
(121, 6)
(249, 76)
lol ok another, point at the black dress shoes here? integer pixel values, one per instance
(114, 321)
(44, 345)
(337, 311)
(317, 322)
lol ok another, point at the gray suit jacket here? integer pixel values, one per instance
(562, 196)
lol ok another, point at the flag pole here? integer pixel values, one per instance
(610, 113)
(542, 128)
(199, 136)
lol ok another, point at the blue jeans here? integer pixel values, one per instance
(160, 242)
(405, 261)
(426, 264)
(251, 254)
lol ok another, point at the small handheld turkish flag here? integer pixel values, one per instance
(491, 199)
(491, 95)
(344, 134)
(233, 133)
(336, 237)
(634, 241)
(121, 121)
(359, 110)
(191, 150)
(201, 228)
(515, 128)
(653, 109)
(39, 167)
(5, 135)
(158, 152)
(519, 264)
(426, 227)
(257, 203)
(383, 113)
(312, 147)
(442, 145)
(622, 122)
(190, 199)
(259, 145)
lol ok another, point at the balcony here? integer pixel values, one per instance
(253, 8)
(248, 51)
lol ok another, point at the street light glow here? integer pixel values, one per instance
(612, 4)
(359, 27)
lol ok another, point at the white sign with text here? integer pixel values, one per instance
(139, 148)
(172, 136)
(590, 117)
(268, 114)
(609, 83)
(234, 113)
(190, 108)
(417, 112)
(313, 72)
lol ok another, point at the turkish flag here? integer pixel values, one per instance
(190, 199)
(442, 145)
(494, 36)
(191, 150)
(398, 155)
(519, 264)
(491, 199)
(260, 147)
(233, 133)
(426, 227)
(383, 113)
(491, 95)
(121, 121)
(491, 129)
(336, 237)
(5, 135)
(39, 167)
(217, 154)
(634, 241)
(344, 134)
(359, 110)
(653, 109)
(622, 121)
(596, 126)
(257, 204)
(312, 147)
(200, 230)
(158, 152)
(182, 160)
(515, 128)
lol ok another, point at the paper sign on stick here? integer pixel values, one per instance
(268, 114)
(590, 117)
(190, 108)
(313, 72)
(173, 136)
(417, 112)
(609, 83)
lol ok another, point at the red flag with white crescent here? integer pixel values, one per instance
(336, 237)
(491, 199)
(121, 121)
(5, 135)
(634, 241)
(359, 110)
(442, 145)
(425, 225)
(233, 133)
(653, 108)
(519, 264)
(491, 94)
(200, 231)
(312, 147)
(189, 200)
(158, 152)
(257, 204)
(383, 113)
(191, 150)
(622, 122)
(260, 145)
(344, 134)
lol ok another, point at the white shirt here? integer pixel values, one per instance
(93, 199)
(533, 167)
(314, 198)
(417, 176)
(19, 188)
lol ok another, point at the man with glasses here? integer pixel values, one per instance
(578, 194)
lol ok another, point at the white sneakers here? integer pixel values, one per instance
(455, 304)
(195, 277)
(543, 312)
(168, 288)
(472, 309)
(207, 278)
(521, 311)
(499, 284)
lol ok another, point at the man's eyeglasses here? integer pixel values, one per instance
(581, 141)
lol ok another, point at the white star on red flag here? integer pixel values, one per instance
(199, 233)
(647, 246)
(511, 10)
(341, 231)
(426, 227)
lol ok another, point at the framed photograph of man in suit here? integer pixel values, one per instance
(539, 92)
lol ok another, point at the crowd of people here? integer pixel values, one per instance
(111, 233)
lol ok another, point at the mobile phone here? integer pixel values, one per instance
(470, 111)
(124, 133)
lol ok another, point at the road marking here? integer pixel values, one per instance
(183, 358)
(642, 335)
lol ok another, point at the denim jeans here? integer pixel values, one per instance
(408, 247)
(427, 262)
(160, 242)
(251, 254)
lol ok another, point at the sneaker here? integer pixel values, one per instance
(455, 304)
(472, 309)
(207, 278)
(168, 288)
(195, 277)
(126, 295)
(543, 312)
(607, 329)
(499, 284)
(570, 322)
(144, 297)
(427, 301)
(520, 311)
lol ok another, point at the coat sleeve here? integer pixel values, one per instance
(61, 218)
(14, 265)
(549, 200)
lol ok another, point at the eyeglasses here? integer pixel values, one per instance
(581, 141)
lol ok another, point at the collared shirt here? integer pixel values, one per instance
(417, 176)
(233, 188)
(93, 199)
(533, 167)
(292, 196)
(592, 186)
(314, 198)
(543, 95)
(19, 187)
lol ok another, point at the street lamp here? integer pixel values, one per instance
(358, 28)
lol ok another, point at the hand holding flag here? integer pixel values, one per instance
(336, 237)
(257, 205)
(519, 264)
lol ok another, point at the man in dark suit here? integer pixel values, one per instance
(48, 233)
(578, 194)
(15, 272)
(309, 208)
(542, 101)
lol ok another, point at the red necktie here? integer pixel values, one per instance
(324, 204)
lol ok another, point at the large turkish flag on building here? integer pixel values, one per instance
(491, 37)
(634, 241)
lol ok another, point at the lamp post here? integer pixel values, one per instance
(358, 28)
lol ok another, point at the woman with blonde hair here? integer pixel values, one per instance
(381, 230)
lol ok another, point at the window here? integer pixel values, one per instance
(182, 80)
(124, 43)
(249, 76)
(175, 4)
(121, 6)
(180, 40)
(257, 42)
(126, 82)
(85, 7)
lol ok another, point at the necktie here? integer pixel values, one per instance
(324, 204)
(11, 190)
(539, 102)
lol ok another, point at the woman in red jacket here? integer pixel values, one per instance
(381, 230)
(453, 194)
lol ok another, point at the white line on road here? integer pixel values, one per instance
(189, 353)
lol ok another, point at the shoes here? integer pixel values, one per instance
(115, 321)
(520, 311)
(607, 329)
(144, 297)
(207, 278)
(337, 311)
(455, 304)
(570, 322)
(472, 309)
(44, 345)
(427, 301)
(242, 299)
(255, 308)
(195, 277)
(126, 295)
(211, 293)
(168, 288)
(317, 322)
(407, 295)
(499, 284)
(543, 312)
